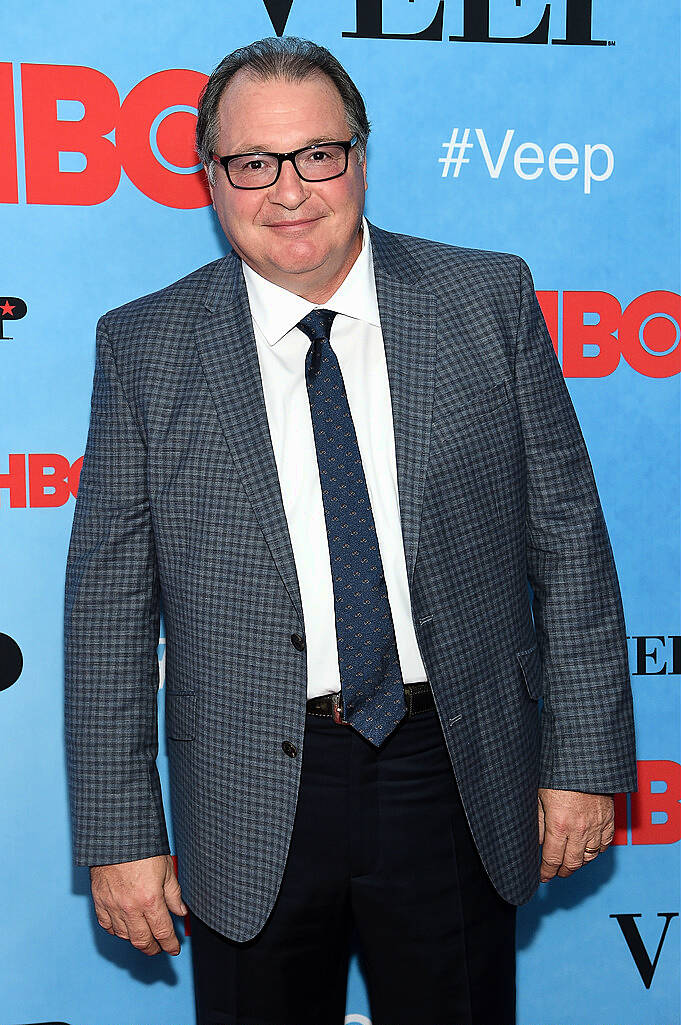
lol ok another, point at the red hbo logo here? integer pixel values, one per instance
(50, 481)
(654, 814)
(154, 136)
(645, 333)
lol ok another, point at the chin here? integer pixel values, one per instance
(297, 268)
(308, 258)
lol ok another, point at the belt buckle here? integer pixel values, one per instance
(335, 705)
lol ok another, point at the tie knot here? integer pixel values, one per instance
(317, 324)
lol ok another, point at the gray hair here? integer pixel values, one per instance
(287, 57)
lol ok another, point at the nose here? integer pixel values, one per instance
(289, 189)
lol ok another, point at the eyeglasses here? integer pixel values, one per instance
(319, 163)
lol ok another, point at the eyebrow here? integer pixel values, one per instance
(255, 148)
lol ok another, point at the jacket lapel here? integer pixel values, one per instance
(227, 349)
(409, 325)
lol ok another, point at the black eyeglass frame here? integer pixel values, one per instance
(281, 157)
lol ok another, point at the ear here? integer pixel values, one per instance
(364, 171)
(210, 187)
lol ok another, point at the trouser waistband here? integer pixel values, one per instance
(418, 697)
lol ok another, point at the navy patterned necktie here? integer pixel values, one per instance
(371, 678)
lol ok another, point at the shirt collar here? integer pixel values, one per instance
(276, 310)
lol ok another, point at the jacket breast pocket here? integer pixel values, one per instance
(180, 715)
(531, 666)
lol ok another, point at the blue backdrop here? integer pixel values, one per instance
(562, 147)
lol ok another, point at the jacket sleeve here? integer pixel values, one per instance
(587, 716)
(111, 630)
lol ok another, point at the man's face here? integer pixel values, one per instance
(302, 235)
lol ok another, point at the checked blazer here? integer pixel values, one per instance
(179, 505)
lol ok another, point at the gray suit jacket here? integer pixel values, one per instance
(179, 501)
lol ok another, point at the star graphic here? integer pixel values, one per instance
(7, 310)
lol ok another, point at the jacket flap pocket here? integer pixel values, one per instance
(531, 665)
(180, 715)
(481, 405)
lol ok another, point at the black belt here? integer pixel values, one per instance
(418, 697)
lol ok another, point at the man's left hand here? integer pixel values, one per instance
(574, 828)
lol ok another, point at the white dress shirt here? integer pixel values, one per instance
(357, 340)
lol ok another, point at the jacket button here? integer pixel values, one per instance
(298, 642)
(288, 748)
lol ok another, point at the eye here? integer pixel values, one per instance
(248, 164)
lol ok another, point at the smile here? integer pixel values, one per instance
(292, 226)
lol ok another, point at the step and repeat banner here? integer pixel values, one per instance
(550, 130)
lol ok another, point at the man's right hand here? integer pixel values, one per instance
(133, 900)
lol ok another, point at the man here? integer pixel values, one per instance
(337, 456)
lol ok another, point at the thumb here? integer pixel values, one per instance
(173, 896)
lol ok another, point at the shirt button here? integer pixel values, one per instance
(288, 748)
(298, 642)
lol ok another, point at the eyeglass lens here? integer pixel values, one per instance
(315, 164)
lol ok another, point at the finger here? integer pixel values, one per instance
(573, 857)
(141, 935)
(161, 925)
(551, 855)
(606, 839)
(103, 917)
(118, 922)
(592, 848)
(173, 897)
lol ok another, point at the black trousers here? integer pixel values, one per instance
(380, 845)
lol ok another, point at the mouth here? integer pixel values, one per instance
(292, 226)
